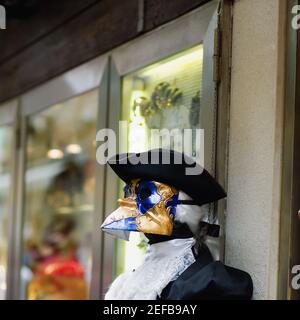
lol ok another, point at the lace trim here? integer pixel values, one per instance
(148, 280)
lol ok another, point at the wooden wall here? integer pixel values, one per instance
(61, 34)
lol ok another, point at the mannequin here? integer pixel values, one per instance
(168, 206)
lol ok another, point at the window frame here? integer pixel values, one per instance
(84, 78)
(165, 41)
(9, 117)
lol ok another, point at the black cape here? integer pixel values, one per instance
(206, 279)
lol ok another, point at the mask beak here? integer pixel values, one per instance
(121, 234)
(123, 220)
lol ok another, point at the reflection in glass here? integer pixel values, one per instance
(6, 136)
(164, 95)
(59, 200)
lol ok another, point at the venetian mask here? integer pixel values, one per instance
(148, 207)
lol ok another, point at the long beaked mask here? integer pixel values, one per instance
(148, 207)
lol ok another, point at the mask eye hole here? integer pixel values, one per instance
(144, 193)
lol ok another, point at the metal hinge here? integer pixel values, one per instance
(217, 55)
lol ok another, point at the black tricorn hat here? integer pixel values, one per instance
(169, 167)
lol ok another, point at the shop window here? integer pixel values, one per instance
(163, 95)
(59, 205)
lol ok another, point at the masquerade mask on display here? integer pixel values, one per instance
(147, 206)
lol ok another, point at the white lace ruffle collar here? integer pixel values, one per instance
(163, 263)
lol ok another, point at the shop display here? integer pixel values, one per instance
(58, 279)
(164, 95)
(59, 200)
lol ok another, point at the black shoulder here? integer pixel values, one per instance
(206, 279)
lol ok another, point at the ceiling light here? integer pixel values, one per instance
(55, 154)
(73, 148)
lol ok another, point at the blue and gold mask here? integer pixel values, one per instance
(148, 207)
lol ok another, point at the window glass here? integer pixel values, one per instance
(164, 95)
(59, 200)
